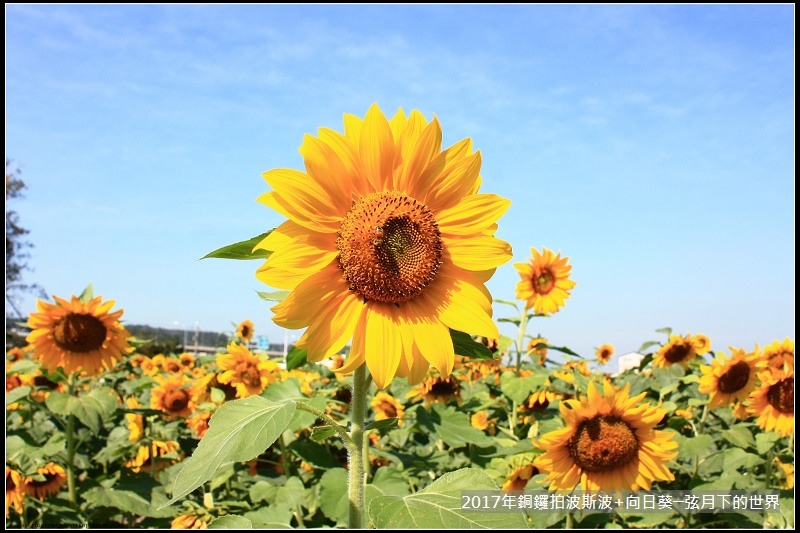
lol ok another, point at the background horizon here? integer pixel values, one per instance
(652, 145)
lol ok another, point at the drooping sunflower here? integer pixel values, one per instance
(386, 406)
(245, 331)
(158, 453)
(199, 423)
(773, 401)
(15, 491)
(681, 350)
(188, 522)
(778, 354)
(78, 335)
(604, 353)
(545, 283)
(608, 444)
(481, 420)
(246, 371)
(387, 243)
(729, 379)
(48, 481)
(135, 420)
(176, 396)
(537, 348)
(518, 478)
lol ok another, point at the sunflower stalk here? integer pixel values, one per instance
(71, 448)
(523, 325)
(357, 448)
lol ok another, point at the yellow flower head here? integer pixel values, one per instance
(608, 444)
(135, 421)
(176, 396)
(76, 335)
(537, 348)
(199, 423)
(386, 406)
(545, 283)
(729, 379)
(387, 243)
(246, 371)
(680, 350)
(188, 522)
(162, 453)
(518, 478)
(48, 481)
(773, 401)
(604, 353)
(15, 491)
(245, 331)
(779, 354)
(437, 389)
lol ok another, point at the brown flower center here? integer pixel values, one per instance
(388, 409)
(245, 332)
(10, 484)
(48, 479)
(603, 443)
(678, 352)
(249, 374)
(79, 333)
(176, 400)
(390, 247)
(735, 378)
(443, 389)
(544, 282)
(781, 396)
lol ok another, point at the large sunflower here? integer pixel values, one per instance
(608, 444)
(388, 243)
(680, 350)
(78, 335)
(773, 401)
(545, 283)
(246, 371)
(729, 379)
(175, 396)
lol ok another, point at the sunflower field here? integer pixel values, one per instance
(402, 405)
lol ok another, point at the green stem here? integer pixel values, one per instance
(329, 420)
(570, 521)
(357, 447)
(768, 468)
(523, 325)
(71, 449)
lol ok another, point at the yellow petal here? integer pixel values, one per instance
(473, 214)
(377, 148)
(309, 298)
(454, 182)
(290, 265)
(383, 345)
(419, 151)
(325, 166)
(478, 252)
(305, 199)
(334, 327)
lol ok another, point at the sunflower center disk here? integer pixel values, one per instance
(603, 443)
(735, 378)
(390, 247)
(544, 282)
(781, 396)
(678, 353)
(80, 333)
(176, 400)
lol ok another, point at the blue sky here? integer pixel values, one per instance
(653, 145)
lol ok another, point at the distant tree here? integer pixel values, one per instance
(16, 245)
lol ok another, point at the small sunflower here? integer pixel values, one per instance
(729, 379)
(245, 371)
(188, 522)
(481, 420)
(48, 481)
(199, 423)
(518, 478)
(437, 389)
(537, 348)
(386, 406)
(545, 283)
(604, 353)
(387, 243)
(15, 491)
(608, 444)
(165, 453)
(187, 361)
(76, 335)
(778, 354)
(773, 401)
(786, 471)
(245, 331)
(680, 350)
(176, 396)
(135, 421)
(13, 355)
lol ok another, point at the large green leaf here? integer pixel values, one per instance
(438, 506)
(452, 426)
(465, 345)
(700, 445)
(124, 500)
(91, 408)
(739, 436)
(238, 431)
(296, 358)
(273, 516)
(517, 388)
(333, 498)
(16, 395)
(230, 521)
(241, 250)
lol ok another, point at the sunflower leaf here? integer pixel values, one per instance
(507, 302)
(87, 294)
(517, 388)
(438, 506)
(275, 296)
(16, 395)
(91, 409)
(230, 521)
(296, 358)
(238, 431)
(321, 433)
(383, 425)
(465, 345)
(241, 250)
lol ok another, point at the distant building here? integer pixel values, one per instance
(629, 361)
